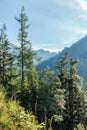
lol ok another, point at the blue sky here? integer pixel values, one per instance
(54, 24)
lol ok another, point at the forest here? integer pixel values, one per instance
(38, 100)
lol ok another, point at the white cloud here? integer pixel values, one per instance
(83, 16)
(72, 4)
(69, 28)
(80, 30)
(48, 47)
(76, 29)
(82, 4)
(69, 42)
(66, 3)
(75, 4)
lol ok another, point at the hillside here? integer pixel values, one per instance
(77, 50)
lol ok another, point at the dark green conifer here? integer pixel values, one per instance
(24, 43)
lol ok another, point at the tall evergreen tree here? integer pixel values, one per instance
(71, 82)
(0, 60)
(74, 84)
(4, 55)
(23, 41)
(62, 67)
(50, 99)
(83, 109)
(28, 87)
(7, 71)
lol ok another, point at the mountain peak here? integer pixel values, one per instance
(77, 50)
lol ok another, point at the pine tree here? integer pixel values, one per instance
(24, 43)
(50, 99)
(7, 66)
(4, 55)
(0, 61)
(27, 94)
(74, 85)
(83, 109)
(62, 67)
(63, 73)
(71, 82)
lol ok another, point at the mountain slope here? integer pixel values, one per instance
(77, 50)
(43, 55)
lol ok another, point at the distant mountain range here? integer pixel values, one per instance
(43, 56)
(77, 50)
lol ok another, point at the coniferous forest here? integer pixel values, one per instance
(44, 100)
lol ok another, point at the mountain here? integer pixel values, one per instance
(43, 55)
(77, 50)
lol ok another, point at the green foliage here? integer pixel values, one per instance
(58, 100)
(27, 92)
(50, 98)
(71, 82)
(4, 55)
(83, 109)
(7, 66)
(25, 56)
(14, 117)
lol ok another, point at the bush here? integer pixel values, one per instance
(14, 117)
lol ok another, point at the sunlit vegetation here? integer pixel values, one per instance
(44, 100)
(14, 117)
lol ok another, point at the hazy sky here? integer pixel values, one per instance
(54, 24)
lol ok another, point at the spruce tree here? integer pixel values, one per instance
(7, 66)
(50, 99)
(71, 82)
(28, 83)
(83, 109)
(23, 41)
(74, 84)
(4, 55)
(62, 67)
